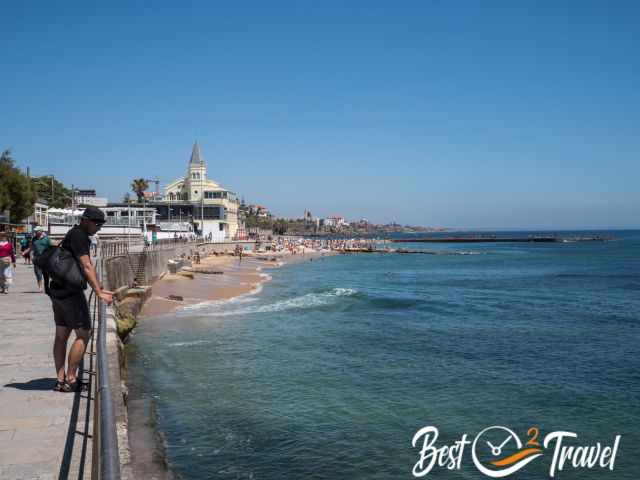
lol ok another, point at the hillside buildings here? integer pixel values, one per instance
(335, 221)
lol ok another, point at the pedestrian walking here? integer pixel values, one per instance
(70, 307)
(40, 244)
(24, 250)
(7, 263)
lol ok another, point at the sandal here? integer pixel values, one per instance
(72, 386)
(59, 386)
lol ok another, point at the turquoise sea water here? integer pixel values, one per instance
(331, 369)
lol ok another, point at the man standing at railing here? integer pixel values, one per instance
(70, 308)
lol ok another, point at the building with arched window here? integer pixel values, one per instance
(199, 200)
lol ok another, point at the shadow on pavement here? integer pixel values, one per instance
(35, 384)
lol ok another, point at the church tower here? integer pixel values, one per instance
(196, 175)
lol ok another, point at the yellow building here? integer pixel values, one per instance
(195, 198)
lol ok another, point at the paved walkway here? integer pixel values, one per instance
(43, 434)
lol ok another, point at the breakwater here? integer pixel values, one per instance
(497, 239)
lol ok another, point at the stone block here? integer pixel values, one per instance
(119, 293)
(186, 274)
(142, 292)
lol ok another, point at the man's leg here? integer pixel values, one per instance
(60, 350)
(38, 273)
(76, 353)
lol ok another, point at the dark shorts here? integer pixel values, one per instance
(72, 311)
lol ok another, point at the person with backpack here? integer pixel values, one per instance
(25, 249)
(70, 307)
(39, 244)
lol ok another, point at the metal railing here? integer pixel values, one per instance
(107, 440)
(106, 458)
(116, 248)
(113, 249)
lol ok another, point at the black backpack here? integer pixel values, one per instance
(62, 267)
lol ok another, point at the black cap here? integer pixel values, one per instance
(94, 214)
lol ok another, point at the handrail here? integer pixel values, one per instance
(107, 437)
(106, 458)
(117, 248)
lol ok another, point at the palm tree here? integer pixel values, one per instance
(138, 186)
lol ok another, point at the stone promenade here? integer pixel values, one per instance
(43, 434)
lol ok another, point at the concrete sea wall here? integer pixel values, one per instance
(119, 273)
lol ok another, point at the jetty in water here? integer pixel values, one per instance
(499, 239)
(374, 246)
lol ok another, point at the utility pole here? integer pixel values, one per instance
(144, 218)
(129, 227)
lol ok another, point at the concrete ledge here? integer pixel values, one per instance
(117, 365)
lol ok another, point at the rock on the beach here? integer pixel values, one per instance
(142, 292)
(126, 312)
(177, 298)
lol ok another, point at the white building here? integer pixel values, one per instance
(39, 217)
(335, 221)
(88, 197)
(204, 203)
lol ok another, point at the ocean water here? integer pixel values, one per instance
(331, 369)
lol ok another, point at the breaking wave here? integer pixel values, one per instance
(188, 344)
(310, 300)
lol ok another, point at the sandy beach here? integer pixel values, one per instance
(221, 277)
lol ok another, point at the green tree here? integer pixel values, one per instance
(16, 192)
(138, 186)
(51, 191)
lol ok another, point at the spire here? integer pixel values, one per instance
(196, 157)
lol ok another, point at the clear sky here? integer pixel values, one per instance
(442, 113)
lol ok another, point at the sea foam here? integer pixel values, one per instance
(310, 300)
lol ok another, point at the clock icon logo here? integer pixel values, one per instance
(498, 451)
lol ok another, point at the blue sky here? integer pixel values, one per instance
(464, 114)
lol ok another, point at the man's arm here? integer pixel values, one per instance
(92, 278)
